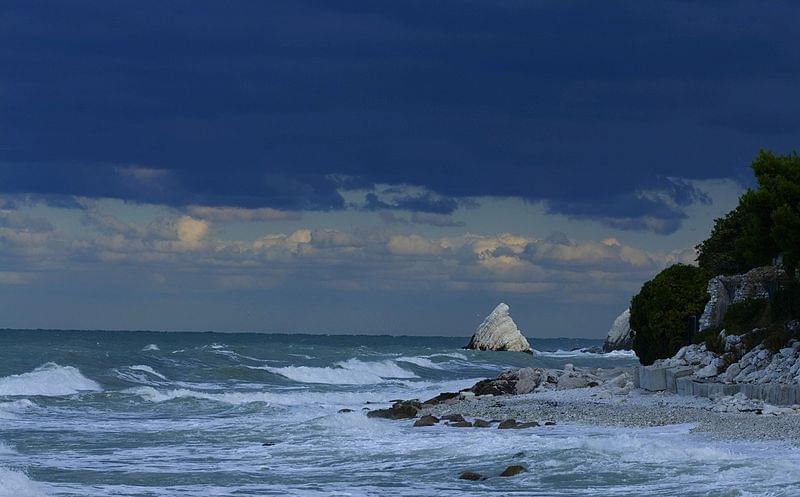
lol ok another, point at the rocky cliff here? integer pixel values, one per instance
(499, 332)
(726, 290)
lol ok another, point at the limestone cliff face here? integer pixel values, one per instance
(726, 290)
(620, 336)
(499, 332)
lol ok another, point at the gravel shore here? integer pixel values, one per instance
(587, 406)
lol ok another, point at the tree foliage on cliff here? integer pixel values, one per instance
(660, 312)
(765, 224)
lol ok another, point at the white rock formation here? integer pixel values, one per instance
(620, 336)
(726, 290)
(499, 332)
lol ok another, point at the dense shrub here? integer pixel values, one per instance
(776, 338)
(710, 337)
(743, 316)
(785, 303)
(660, 312)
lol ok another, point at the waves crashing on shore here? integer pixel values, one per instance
(225, 415)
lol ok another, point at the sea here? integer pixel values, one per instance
(111, 413)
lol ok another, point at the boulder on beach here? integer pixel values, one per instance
(426, 421)
(499, 332)
(471, 476)
(620, 336)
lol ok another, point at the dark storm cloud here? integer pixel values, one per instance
(279, 104)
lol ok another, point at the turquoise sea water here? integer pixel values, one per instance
(188, 414)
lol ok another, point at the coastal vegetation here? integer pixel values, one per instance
(763, 229)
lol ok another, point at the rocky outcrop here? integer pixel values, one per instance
(529, 380)
(759, 374)
(405, 409)
(620, 336)
(499, 332)
(726, 290)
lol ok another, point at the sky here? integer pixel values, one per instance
(373, 166)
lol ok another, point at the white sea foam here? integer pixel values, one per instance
(17, 484)
(349, 372)
(616, 354)
(151, 346)
(11, 410)
(422, 389)
(454, 355)
(419, 361)
(48, 380)
(147, 369)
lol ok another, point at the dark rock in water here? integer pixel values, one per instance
(461, 424)
(345, 410)
(480, 423)
(513, 470)
(453, 417)
(532, 424)
(441, 398)
(593, 350)
(400, 410)
(426, 421)
(549, 423)
(471, 476)
(518, 455)
(365, 408)
(508, 423)
(593, 384)
(394, 401)
(268, 444)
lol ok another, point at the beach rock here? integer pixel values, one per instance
(549, 423)
(461, 424)
(514, 470)
(508, 423)
(502, 385)
(426, 421)
(345, 410)
(530, 424)
(400, 410)
(453, 417)
(620, 336)
(481, 423)
(529, 379)
(441, 398)
(471, 476)
(499, 332)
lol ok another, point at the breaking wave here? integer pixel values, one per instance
(423, 362)
(147, 369)
(17, 484)
(349, 372)
(49, 380)
(618, 354)
(151, 346)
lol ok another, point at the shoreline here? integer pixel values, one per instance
(724, 419)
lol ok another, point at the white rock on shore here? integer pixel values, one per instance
(499, 332)
(620, 336)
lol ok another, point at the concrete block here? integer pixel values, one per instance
(672, 375)
(653, 378)
(684, 386)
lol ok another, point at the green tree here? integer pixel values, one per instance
(660, 312)
(766, 223)
(718, 253)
